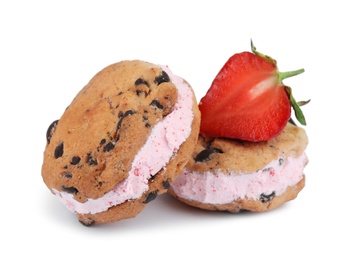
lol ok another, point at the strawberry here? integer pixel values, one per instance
(248, 100)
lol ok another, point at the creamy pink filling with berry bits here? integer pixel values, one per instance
(163, 143)
(219, 188)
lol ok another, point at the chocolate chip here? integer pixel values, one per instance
(140, 81)
(122, 116)
(103, 141)
(156, 103)
(87, 222)
(205, 155)
(90, 160)
(150, 197)
(75, 160)
(110, 146)
(281, 161)
(50, 130)
(71, 190)
(128, 113)
(68, 175)
(59, 151)
(147, 125)
(142, 87)
(166, 184)
(265, 198)
(162, 78)
(267, 169)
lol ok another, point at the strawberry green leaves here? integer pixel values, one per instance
(296, 106)
(265, 57)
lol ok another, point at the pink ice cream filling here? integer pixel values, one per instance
(163, 143)
(215, 187)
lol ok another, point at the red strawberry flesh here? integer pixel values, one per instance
(245, 101)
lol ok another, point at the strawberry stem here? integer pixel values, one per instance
(281, 75)
(288, 74)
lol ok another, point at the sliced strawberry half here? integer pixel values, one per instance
(247, 99)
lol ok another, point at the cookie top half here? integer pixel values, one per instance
(230, 155)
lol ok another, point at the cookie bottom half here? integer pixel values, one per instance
(247, 204)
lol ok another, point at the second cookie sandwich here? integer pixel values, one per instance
(232, 175)
(250, 155)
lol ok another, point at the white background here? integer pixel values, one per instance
(50, 49)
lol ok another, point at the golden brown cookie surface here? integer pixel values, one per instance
(90, 149)
(242, 156)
